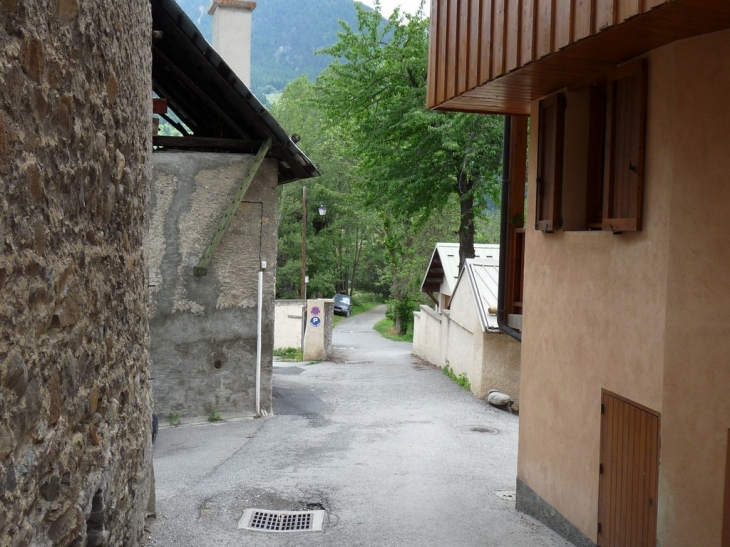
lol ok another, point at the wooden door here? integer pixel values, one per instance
(629, 468)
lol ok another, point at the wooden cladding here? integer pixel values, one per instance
(629, 470)
(497, 56)
(476, 41)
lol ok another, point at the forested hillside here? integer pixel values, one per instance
(286, 33)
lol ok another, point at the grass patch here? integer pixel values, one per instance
(289, 354)
(214, 415)
(174, 419)
(386, 329)
(461, 379)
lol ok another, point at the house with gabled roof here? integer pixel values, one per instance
(625, 331)
(442, 272)
(211, 247)
(465, 334)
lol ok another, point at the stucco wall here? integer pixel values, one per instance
(501, 366)
(203, 329)
(641, 314)
(75, 409)
(696, 405)
(318, 333)
(427, 337)
(288, 324)
(490, 360)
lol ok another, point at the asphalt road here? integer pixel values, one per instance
(394, 451)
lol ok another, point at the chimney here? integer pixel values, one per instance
(232, 35)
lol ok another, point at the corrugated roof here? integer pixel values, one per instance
(444, 264)
(483, 276)
(210, 99)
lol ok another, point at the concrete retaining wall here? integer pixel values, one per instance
(489, 360)
(203, 329)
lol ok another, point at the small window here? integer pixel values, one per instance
(598, 182)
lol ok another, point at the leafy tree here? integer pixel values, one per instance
(414, 159)
(342, 242)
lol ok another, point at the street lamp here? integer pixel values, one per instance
(322, 212)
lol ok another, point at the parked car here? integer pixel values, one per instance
(343, 304)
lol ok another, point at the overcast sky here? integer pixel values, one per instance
(411, 6)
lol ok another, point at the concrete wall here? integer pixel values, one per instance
(427, 336)
(455, 337)
(318, 334)
(203, 329)
(640, 314)
(75, 409)
(288, 324)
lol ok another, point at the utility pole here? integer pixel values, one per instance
(303, 282)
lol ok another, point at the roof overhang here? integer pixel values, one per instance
(590, 58)
(209, 98)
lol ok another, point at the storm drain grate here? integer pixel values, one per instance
(263, 520)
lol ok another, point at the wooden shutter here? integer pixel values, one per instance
(550, 163)
(629, 470)
(623, 198)
(596, 151)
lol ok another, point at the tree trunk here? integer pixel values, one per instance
(465, 189)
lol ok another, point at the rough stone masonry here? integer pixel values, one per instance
(75, 132)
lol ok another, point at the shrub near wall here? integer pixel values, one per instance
(74, 389)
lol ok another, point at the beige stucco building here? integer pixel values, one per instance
(624, 415)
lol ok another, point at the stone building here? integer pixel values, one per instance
(213, 226)
(75, 447)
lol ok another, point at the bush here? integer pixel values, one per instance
(402, 309)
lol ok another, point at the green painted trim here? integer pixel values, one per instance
(202, 268)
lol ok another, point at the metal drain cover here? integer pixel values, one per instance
(263, 520)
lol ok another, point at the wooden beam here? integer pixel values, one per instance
(202, 268)
(233, 145)
(202, 96)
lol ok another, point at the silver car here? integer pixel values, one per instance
(343, 304)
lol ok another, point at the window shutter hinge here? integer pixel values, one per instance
(603, 409)
(599, 527)
(600, 469)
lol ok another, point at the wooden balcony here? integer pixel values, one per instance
(496, 56)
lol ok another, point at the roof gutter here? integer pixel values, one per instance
(503, 230)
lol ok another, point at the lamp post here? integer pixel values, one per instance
(322, 212)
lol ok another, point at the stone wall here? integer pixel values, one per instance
(75, 409)
(203, 329)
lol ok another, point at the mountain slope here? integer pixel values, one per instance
(286, 33)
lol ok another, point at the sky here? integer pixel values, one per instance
(411, 6)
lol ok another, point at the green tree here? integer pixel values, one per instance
(414, 159)
(341, 242)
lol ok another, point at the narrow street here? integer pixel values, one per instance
(393, 450)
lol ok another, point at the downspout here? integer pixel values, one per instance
(258, 336)
(503, 231)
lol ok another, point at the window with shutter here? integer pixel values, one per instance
(601, 175)
(550, 163)
(623, 188)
